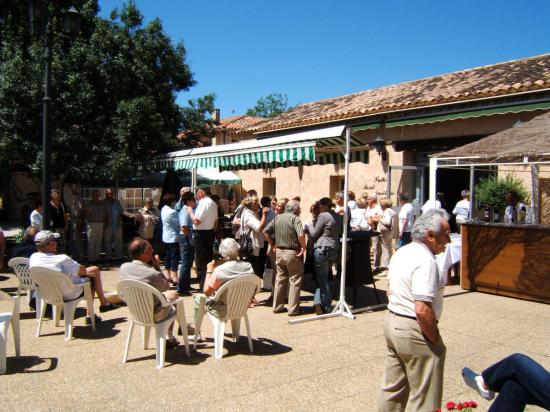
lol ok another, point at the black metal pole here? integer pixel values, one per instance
(46, 129)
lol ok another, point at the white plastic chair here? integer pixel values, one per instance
(20, 266)
(238, 294)
(139, 296)
(51, 284)
(7, 318)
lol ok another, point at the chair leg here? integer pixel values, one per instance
(68, 310)
(90, 303)
(3, 338)
(56, 314)
(127, 346)
(41, 317)
(236, 329)
(376, 292)
(160, 346)
(247, 323)
(39, 303)
(219, 328)
(145, 337)
(15, 327)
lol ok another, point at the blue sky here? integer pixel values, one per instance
(243, 50)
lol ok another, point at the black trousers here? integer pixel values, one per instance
(204, 252)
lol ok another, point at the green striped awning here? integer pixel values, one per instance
(304, 148)
(457, 116)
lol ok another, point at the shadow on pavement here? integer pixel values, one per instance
(262, 347)
(28, 364)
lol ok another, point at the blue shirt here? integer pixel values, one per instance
(170, 224)
(185, 219)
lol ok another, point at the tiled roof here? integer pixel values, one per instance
(529, 74)
(236, 123)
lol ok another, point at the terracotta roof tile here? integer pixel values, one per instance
(235, 123)
(529, 74)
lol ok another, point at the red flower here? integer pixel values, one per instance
(450, 405)
(466, 404)
(473, 404)
(459, 406)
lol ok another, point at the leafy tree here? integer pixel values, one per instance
(492, 191)
(114, 87)
(198, 122)
(270, 106)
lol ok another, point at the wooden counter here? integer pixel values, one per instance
(508, 260)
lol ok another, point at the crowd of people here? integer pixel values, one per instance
(270, 232)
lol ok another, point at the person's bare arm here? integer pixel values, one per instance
(270, 241)
(426, 320)
(303, 245)
(194, 218)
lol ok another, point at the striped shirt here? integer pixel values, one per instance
(286, 227)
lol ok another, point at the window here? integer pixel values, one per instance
(336, 185)
(269, 186)
(87, 193)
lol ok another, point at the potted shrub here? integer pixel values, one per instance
(491, 192)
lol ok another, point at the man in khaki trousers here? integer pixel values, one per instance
(285, 235)
(415, 351)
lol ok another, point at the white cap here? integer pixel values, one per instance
(44, 237)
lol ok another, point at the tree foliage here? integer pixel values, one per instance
(270, 106)
(492, 191)
(198, 122)
(114, 90)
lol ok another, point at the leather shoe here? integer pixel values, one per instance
(88, 320)
(282, 310)
(107, 308)
(318, 309)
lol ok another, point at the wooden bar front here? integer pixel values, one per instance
(508, 260)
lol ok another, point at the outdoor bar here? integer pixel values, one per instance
(506, 259)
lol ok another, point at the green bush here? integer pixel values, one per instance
(492, 191)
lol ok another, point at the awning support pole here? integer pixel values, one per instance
(471, 193)
(341, 308)
(193, 179)
(433, 179)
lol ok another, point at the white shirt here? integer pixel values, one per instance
(36, 219)
(462, 210)
(60, 263)
(207, 213)
(406, 212)
(414, 275)
(358, 219)
(431, 205)
(251, 224)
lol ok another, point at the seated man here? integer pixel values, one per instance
(145, 267)
(47, 256)
(27, 247)
(216, 277)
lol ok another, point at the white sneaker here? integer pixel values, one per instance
(475, 381)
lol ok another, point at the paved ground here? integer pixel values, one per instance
(331, 364)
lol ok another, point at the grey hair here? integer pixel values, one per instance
(229, 248)
(292, 206)
(372, 196)
(465, 193)
(431, 220)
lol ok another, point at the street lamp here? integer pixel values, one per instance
(379, 143)
(40, 24)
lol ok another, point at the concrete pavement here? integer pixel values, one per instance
(330, 364)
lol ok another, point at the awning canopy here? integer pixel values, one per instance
(304, 148)
(457, 116)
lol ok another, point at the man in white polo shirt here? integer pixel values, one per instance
(415, 351)
(47, 256)
(406, 219)
(204, 219)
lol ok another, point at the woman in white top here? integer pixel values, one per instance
(358, 218)
(462, 209)
(36, 215)
(388, 228)
(252, 226)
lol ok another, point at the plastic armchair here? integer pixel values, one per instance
(139, 297)
(20, 266)
(7, 318)
(51, 284)
(238, 294)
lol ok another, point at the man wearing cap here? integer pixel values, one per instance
(204, 220)
(47, 257)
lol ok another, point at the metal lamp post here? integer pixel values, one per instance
(41, 25)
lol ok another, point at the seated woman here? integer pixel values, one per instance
(216, 277)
